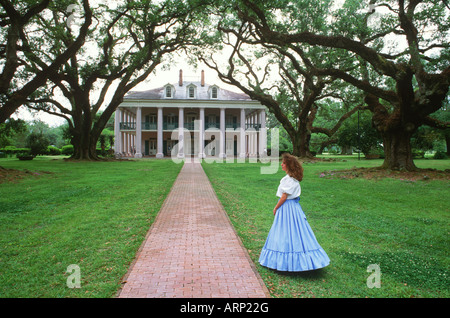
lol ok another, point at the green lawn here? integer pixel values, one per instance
(91, 214)
(96, 214)
(400, 225)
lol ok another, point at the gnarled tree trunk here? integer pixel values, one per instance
(84, 148)
(397, 150)
(83, 140)
(300, 142)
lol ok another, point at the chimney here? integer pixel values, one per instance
(203, 78)
(180, 82)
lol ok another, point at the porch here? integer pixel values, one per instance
(163, 132)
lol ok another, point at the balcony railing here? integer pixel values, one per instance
(256, 127)
(169, 126)
(149, 126)
(128, 126)
(188, 126)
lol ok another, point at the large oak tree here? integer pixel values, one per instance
(20, 75)
(412, 80)
(126, 44)
(283, 78)
(295, 96)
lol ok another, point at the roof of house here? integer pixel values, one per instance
(181, 93)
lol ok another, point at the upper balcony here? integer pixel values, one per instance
(147, 126)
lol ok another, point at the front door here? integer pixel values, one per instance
(152, 147)
(147, 148)
(170, 144)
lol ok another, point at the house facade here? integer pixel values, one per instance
(190, 118)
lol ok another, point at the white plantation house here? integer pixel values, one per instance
(190, 118)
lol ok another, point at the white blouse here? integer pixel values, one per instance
(290, 186)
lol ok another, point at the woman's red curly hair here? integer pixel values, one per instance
(293, 166)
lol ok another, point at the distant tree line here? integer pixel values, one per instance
(19, 138)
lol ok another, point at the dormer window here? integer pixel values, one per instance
(191, 92)
(168, 92)
(214, 92)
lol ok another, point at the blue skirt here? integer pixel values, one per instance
(291, 244)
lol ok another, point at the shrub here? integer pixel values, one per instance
(418, 154)
(22, 150)
(9, 150)
(38, 143)
(25, 155)
(100, 152)
(53, 151)
(67, 150)
(440, 155)
(12, 150)
(375, 152)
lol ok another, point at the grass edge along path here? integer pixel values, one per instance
(81, 220)
(401, 225)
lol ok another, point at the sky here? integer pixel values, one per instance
(155, 80)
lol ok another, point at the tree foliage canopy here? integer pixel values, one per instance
(124, 44)
(24, 29)
(394, 52)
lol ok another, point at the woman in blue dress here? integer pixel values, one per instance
(291, 244)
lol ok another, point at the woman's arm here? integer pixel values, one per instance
(280, 202)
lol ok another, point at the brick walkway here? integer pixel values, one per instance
(192, 250)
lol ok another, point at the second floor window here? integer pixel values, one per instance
(191, 92)
(214, 93)
(168, 92)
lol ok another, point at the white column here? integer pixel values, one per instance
(125, 141)
(124, 134)
(138, 133)
(222, 153)
(133, 136)
(242, 135)
(128, 150)
(201, 135)
(122, 119)
(255, 136)
(133, 146)
(125, 144)
(122, 140)
(159, 150)
(252, 136)
(117, 133)
(257, 133)
(181, 132)
(263, 135)
(250, 142)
